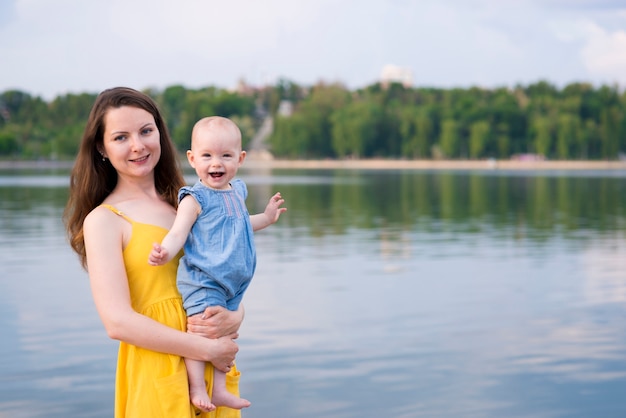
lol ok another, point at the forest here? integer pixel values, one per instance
(328, 120)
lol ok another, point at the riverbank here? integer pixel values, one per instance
(384, 164)
(253, 162)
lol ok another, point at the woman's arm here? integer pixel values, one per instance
(216, 322)
(103, 233)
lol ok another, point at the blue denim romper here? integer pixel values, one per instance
(220, 257)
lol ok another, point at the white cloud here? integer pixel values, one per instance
(604, 54)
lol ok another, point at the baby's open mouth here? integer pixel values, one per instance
(216, 175)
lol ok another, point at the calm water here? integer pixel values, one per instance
(378, 294)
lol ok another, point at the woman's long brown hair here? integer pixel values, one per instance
(93, 179)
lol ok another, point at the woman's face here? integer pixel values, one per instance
(131, 141)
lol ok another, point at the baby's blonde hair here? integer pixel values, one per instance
(216, 123)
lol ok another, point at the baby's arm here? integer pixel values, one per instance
(270, 215)
(187, 213)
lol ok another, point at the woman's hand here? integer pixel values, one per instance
(222, 352)
(216, 322)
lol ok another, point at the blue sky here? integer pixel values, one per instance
(49, 47)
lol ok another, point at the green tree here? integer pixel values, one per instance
(8, 143)
(568, 137)
(354, 128)
(416, 129)
(449, 139)
(315, 112)
(579, 121)
(541, 135)
(172, 102)
(564, 134)
(290, 138)
(228, 104)
(611, 122)
(503, 141)
(479, 137)
(424, 133)
(198, 104)
(588, 139)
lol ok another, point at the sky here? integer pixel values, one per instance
(51, 48)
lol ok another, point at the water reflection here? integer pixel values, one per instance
(464, 201)
(380, 293)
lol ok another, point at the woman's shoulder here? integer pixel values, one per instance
(102, 213)
(138, 209)
(103, 221)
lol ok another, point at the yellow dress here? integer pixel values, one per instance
(149, 383)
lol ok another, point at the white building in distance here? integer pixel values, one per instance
(394, 74)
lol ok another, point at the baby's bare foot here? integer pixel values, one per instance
(200, 399)
(221, 397)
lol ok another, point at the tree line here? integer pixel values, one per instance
(328, 120)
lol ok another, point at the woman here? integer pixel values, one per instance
(123, 194)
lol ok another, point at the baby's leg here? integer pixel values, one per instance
(197, 385)
(222, 397)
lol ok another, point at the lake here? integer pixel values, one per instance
(380, 293)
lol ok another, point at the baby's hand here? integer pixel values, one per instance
(158, 255)
(273, 209)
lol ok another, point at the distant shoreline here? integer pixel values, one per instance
(385, 164)
(252, 163)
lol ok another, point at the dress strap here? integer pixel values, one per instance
(117, 212)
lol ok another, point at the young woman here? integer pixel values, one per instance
(123, 196)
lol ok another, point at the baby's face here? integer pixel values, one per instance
(216, 156)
